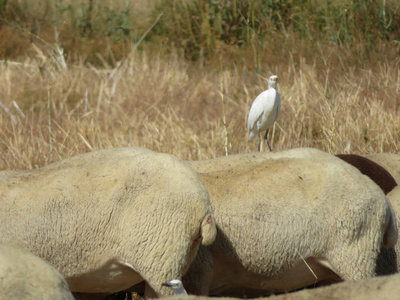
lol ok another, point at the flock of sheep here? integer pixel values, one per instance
(242, 225)
(245, 225)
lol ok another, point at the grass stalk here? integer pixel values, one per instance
(225, 126)
(48, 111)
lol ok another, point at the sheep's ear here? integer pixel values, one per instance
(208, 230)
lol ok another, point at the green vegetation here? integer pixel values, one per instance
(200, 27)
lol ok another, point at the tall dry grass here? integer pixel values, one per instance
(52, 109)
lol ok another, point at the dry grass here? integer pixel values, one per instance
(190, 110)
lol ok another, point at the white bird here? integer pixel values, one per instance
(176, 286)
(264, 111)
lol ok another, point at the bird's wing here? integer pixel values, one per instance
(278, 99)
(255, 113)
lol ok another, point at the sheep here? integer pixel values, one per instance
(287, 220)
(377, 173)
(110, 219)
(389, 259)
(390, 161)
(26, 276)
(386, 287)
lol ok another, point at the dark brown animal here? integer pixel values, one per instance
(377, 173)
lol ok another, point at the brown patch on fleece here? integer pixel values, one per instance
(371, 169)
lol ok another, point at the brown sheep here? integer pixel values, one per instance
(373, 170)
(390, 161)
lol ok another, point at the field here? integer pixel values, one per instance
(78, 76)
(180, 76)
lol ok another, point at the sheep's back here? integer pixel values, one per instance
(26, 276)
(95, 207)
(281, 199)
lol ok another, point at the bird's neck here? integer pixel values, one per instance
(181, 291)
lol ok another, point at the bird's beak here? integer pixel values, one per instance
(275, 79)
(166, 284)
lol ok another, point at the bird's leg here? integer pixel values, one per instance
(266, 140)
(260, 144)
